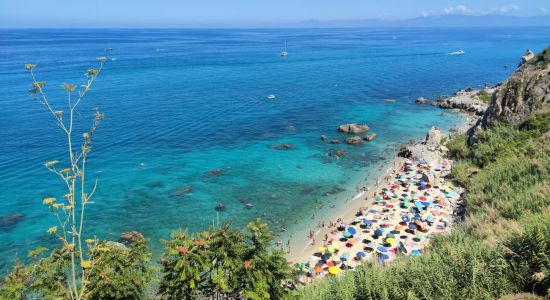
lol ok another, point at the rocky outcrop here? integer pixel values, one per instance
(421, 100)
(370, 137)
(433, 138)
(526, 91)
(466, 100)
(355, 140)
(429, 149)
(353, 128)
(131, 237)
(526, 57)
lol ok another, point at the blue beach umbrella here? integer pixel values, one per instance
(367, 222)
(405, 219)
(383, 249)
(378, 198)
(382, 258)
(412, 226)
(352, 230)
(415, 252)
(361, 254)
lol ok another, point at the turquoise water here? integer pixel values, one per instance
(181, 103)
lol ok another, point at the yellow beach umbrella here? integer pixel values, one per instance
(390, 240)
(334, 270)
(321, 249)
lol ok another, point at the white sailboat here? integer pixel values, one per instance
(284, 52)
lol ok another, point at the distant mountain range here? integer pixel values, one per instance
(451, 20)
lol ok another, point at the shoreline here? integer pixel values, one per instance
(302, 248)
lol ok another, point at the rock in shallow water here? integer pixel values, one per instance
(370, 137)
(181, 191)
(421, 100)
(353, 128)
(355, 140)
(9, 222)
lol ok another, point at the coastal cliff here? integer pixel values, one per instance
(501, 249)
(525, 92)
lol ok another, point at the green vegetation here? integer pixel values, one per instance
(541, 60)
(504, 245)
(484, 96)
(223, 263)
(502, 248)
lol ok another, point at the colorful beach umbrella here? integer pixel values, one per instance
(333, 270)
(352, 230)
(382, 249)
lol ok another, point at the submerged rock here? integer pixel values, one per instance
(323, 138)
(282, 147)
(355, 140)
(306, 191)
(9, 222)
(214, 173)
(181, 191)
(154, 184)
(338, 153)
(335, 190)
(353, 128)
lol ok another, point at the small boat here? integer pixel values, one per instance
(249, 205)
(271, 97)
(220, 207)
(284, 52)
(108, 49)
(459, 52)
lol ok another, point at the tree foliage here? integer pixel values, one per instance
(223, 262)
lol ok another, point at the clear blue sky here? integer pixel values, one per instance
(181, 13)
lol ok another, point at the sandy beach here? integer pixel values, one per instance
(302, 246)
(410, 202)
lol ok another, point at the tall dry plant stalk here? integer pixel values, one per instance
(70, 210)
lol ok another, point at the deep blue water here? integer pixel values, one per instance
(179, 103)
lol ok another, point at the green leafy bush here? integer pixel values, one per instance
(222, 262)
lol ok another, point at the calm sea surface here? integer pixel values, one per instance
(181, 103)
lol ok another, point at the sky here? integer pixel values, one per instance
(226, 13)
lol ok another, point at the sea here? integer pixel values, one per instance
(188, 123)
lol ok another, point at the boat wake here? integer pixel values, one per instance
(459, 52)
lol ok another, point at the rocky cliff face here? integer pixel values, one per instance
(526, 91)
